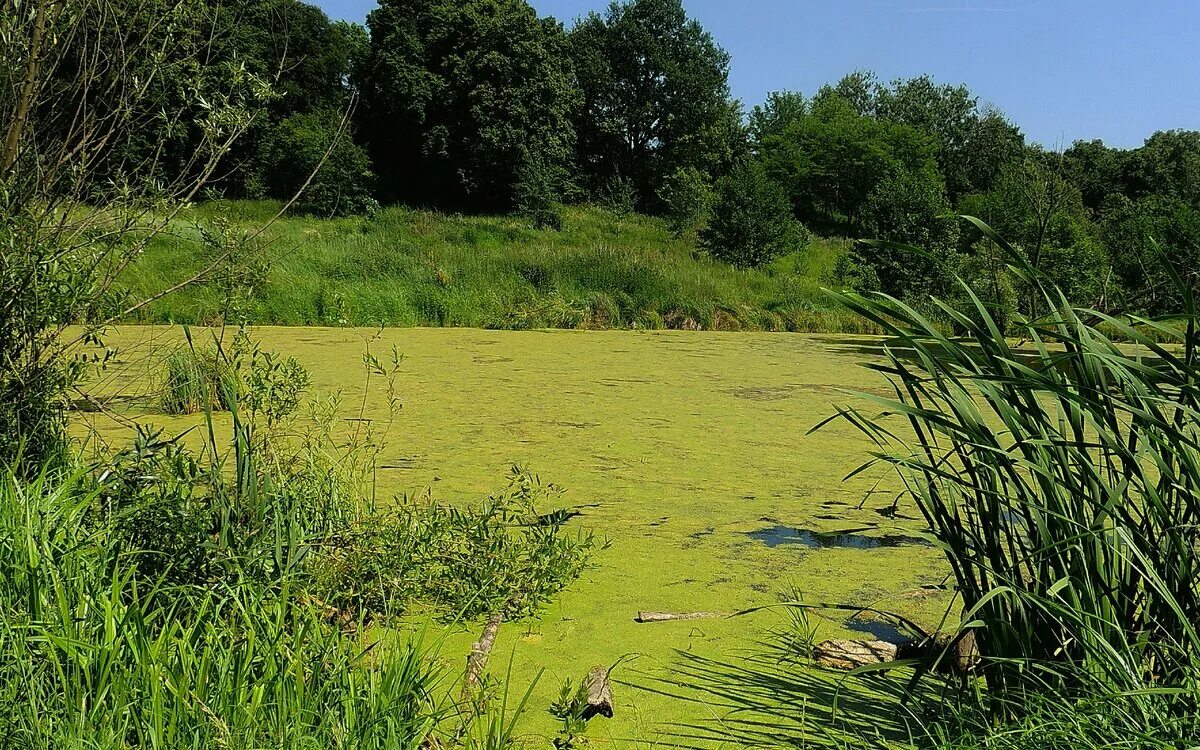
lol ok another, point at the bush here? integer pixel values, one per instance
(318, 145)
(688, 198)
(502, 557)
(752, 220)
(101, 653)
(987, 274)
(619, 197)
(537, 193)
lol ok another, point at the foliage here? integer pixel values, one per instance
(1168, 164)
(985, 269)
(502, 557)
(910, 208)
(419, 268)
(79, 194)
(655, 97)
(537, 193)
(1142, 232)
(312, 155)
(687, 197)
(751, 222)
(1058, 479)
(973, 144)
(458, 98)
(177, 666)
(570, 708)
(1041, 212)
(832, 158)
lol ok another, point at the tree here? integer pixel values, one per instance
(910, 208)
(772, 118)
(1168, 164)
(752, 220)
(973, 144)
(655, 97)
(312, 154)
(1097, 170)
(1034, 207)
(1141, 236)
(458, 98)
(832, 158)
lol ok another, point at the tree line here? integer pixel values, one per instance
(483, 106)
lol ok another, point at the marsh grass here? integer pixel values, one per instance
(408, 268)
(1060, 475)
(196, 380)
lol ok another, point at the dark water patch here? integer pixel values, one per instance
(776, 536)
(878, 629)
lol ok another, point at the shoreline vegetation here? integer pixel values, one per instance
(406, 267)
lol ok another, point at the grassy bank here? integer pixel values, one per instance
(418, 268)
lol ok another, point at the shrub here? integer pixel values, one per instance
(208, 379)
(537, 193)
(99, 655)
(910, 208)
(688, 198)
(318, 145)
(505, 556)
(619, 197)
(752, 220)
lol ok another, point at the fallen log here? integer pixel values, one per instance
(846, 654)
(671, 616)
(599, 694)
(478, 658)
(953, 654)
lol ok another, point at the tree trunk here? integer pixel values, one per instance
(478, 658)
(12, 140)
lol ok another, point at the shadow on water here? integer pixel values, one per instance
(878, 629)
(769, 697)
(776, 536)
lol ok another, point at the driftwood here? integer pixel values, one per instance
(846, 654)
(670, 616)
(478, 658)
(599, 694)
(954, 654)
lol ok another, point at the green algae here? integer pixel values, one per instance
(677, 447)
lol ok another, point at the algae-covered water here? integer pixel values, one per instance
(688, 451)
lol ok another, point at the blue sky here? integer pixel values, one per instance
(1061, 69)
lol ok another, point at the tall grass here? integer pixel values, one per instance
(1060, 474)
(197, 380)
(406, 267)
(94, 657)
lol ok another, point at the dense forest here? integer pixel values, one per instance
(483, 107)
